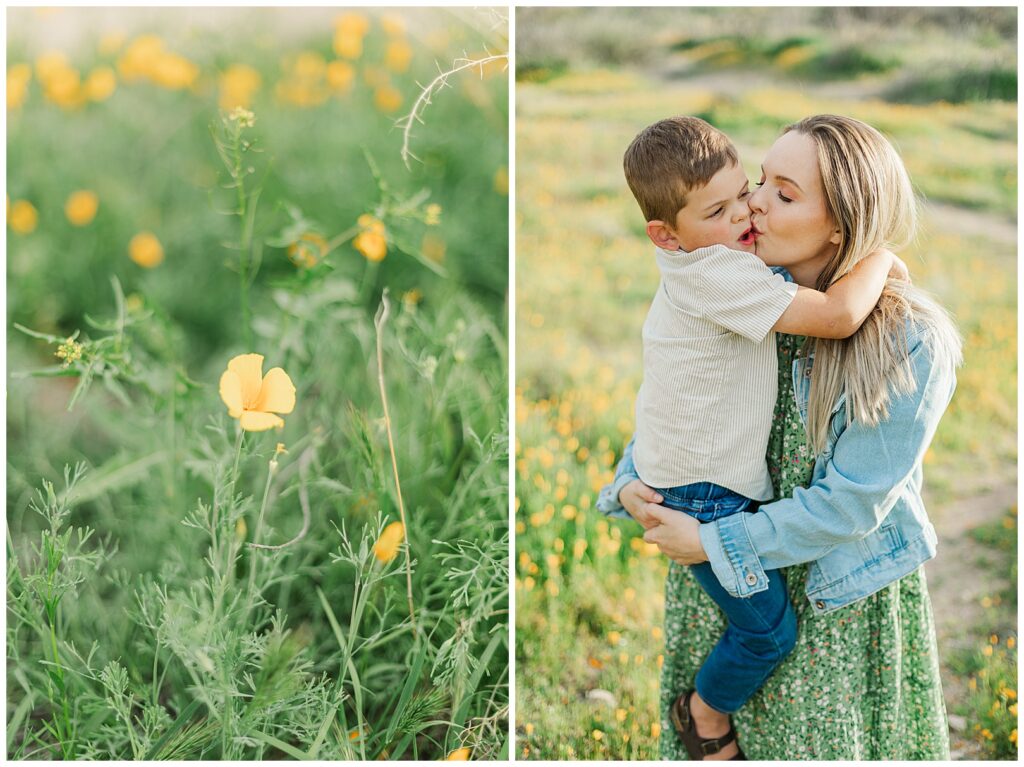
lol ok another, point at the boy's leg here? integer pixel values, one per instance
(760, 634)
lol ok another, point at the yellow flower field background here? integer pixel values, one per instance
(257, 384)
(942, 85)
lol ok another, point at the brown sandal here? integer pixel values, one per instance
(696, 746)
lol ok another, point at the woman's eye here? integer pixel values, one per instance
(745, 195)
(784, 198)
(759, 183)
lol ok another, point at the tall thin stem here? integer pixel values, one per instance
(379, 320)
(256, 535)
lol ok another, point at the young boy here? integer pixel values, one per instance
(704, 409)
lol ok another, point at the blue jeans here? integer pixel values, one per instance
(762, 627)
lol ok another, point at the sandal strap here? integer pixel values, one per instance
(714, 745)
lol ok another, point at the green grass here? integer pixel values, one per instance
(141, 622)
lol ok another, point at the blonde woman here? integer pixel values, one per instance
(853, 420)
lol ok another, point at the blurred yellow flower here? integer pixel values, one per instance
(50, 63)
(174, 72)
(376, 77)
(371, 241)
(81, 207)
(529, 728)
(238, 84)
(387, 545)
(309, 65)
(1013, 736)
(459, 755)
(100, 84)
(614, 637)
(501, 181)
(145, 250)
(349, 30)
(22, 217)
(253, 398)
(18, 78)
(398, 56)
(432, 214)
(348, 46)
(433, 247)
(655, 730)
(62, 85)
(387, 98)
(393, 24)
(111, 43)
(596, 734)
(341, 76)
(140, 57)
(307, 251)
(352, 24)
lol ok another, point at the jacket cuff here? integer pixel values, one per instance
(608, 499)
(731, 555)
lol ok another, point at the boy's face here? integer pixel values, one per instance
(716, 214)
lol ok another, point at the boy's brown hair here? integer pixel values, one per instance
(669, 159)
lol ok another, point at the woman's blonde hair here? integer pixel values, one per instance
(870, 199)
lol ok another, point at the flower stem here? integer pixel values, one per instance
(379, 320)
(256, 535)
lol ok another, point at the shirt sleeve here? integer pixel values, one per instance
(740, 293)
(608, 499)
(863, 479)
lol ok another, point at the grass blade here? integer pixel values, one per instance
(180, 722)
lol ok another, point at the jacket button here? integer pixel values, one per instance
(751, 579)
(820, 605)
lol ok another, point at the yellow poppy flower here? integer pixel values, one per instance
(81, 207)
(22, 217)
(340, 76)
(253, 398)
(100, 84)
(238, 84)
(371, 242)
(459, 755)
(387, 98)
(18, 77)
(145, 250)
(398, 56)
(387, 545)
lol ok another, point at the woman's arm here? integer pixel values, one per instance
(862, 482)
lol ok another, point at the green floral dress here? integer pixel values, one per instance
(863, 682)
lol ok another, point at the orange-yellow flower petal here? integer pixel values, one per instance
(277, 394)
(253, 420)
(458, 755)
(249, 369)
(231, 392)
(387, 545)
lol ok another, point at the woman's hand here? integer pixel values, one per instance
(899, 270)
(637, 498)
(675, 533)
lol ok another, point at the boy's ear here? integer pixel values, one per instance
(662, 235)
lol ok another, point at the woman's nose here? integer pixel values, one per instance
(755, 200)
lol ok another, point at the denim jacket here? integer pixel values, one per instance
(861, 524)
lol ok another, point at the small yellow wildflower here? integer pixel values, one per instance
(145, 250)
(280, 449)
(1010, 643)
(174, 72)
(987, 651)
(432, 214)
(656, 730)
(253, 398)
(986, 733)
(529, 728)
(22, 217)
(1013, 736)
(348, 46)
(100, 84)
(398, 56)
(307, 251)
(993, 639)
(371, 241)
(81, 207)
(620, 715)
(50, 63)
(411, 298)
(1010, 693)
(341, 76)
(349, 30)
(459, 755)
(352, 24)
(387, 545)
(70, 351)
(1012, 708)
(387, 98)
(597, 734)
(18, 78)
(614, 637)
(140, 57)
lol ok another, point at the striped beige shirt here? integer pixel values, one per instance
(705, 406)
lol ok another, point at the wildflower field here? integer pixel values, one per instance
(589, 604)
(257, 384)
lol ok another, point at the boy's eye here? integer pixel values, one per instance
(745, 194)
(717, 213)
(759, 183)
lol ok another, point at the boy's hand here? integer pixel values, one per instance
(899, 270)
(635, 497)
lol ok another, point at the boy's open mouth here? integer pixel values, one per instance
(749, 236)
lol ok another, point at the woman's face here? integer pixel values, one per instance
(787, 209)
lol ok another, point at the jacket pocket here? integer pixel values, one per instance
(883, 542)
